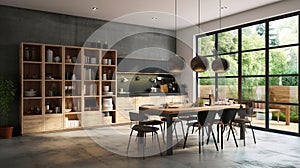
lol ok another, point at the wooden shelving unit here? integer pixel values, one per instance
(68, 90)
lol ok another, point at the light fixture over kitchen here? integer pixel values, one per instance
(220, 65)
(199, 63)
(176, 63)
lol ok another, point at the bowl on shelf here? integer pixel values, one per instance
(49, 111)
(68, 110)
(30, 93)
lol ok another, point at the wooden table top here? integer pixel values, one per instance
(182, 108)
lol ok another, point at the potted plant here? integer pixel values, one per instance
(7, 95)
(199, 102)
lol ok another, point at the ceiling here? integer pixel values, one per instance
(153, 13)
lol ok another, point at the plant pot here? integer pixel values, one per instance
(6, 132)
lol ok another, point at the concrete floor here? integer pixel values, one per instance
(105, 147)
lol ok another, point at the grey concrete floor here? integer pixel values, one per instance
(105, 147)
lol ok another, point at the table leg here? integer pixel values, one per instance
(242, 130)
(169, 136)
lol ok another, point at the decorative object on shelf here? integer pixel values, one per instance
(68, 59)
(30, 93)
(199, 63)
(74, 59)
(57, 59)
(49, 55)
(7, 95)
(124, 79)
(26, 54)
(175, 62)
(107, 104)
(99, 44)
(105, 45)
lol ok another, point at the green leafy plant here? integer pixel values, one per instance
(199, 101)
(7, 95)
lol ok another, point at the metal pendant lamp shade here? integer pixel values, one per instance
(199, 64)
(220, 65)
(176, 64)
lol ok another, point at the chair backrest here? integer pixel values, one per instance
(207, 117)
(211, 117)
(136, 117)
(228, 116)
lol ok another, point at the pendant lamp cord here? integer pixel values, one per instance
(220, 16)
(175, 21)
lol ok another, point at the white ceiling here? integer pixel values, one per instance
(141, 12)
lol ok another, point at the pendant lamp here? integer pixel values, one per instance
(220, 65)
(176, 63)
(199, 63)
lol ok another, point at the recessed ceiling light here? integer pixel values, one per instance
(94, 8)
(224, 7)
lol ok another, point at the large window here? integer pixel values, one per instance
(264, 69)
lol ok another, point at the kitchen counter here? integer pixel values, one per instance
(137, 94)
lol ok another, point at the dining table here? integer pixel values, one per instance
(179, 110)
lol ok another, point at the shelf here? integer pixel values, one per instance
(60, 91)
(104, 65)
(108, 95)
(108, 80)
(109, 111)
(32, 80)
(29, 98)
(72, 113)
(53, 97)
(32, 62)
(91, 96)
(53, 63)
(53, 80)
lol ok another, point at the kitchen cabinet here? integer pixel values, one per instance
(132, 104)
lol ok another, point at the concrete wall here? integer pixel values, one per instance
(187, 35)
(21, 25)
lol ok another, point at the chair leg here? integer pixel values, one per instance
(144, 146)
(175, 131)
(158, 143)
(228, 135)
(182, 128)
(129, 142)
(186, 136)
(218, 132)
(253, 133)
(162, 133)
(222, 131)
(199, 140)
(213, 135)
(233, 135)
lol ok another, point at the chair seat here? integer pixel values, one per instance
(152, 122)
(240, 120)
(164, 119)
(142, 128)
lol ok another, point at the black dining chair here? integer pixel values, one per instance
(144, 120)
(205, 120)
(226, 120)
(142, 130)
(243, 121)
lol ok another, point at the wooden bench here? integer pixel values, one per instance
(272, 111)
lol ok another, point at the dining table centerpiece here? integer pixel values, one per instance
(199, 102)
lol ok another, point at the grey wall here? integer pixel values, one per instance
(21, 25)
